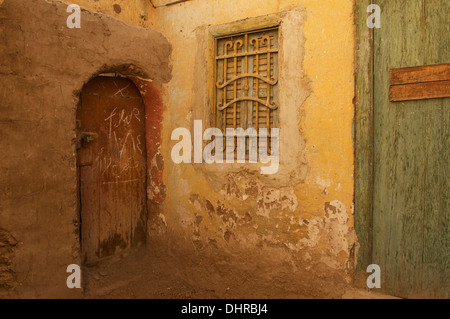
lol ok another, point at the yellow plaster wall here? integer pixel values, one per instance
(328, 112)
(325, 125)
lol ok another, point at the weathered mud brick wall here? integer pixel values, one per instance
(43, 66)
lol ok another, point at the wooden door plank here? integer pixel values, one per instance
(419, 91)
(436, 255)
(89, 197)
(396, 224)
(436, 203)
(384, 135)
(418, 74)
(88, 183)
(407, 208)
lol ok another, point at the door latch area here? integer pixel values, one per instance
(85, 138)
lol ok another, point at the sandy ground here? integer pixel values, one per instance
(142, 276)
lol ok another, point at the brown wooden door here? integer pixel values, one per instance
(112, 167)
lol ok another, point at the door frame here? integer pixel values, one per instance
(364, 136)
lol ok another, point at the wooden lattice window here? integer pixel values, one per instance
(246, 86)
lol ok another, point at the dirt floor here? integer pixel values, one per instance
(142, 276)
(139, 275)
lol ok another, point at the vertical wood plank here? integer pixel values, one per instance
(89, 184)
(363, 135)
(384, 132)
(436, 210)
(409, 194)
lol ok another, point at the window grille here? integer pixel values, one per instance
(246, 88)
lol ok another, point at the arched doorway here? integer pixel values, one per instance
(111, 162)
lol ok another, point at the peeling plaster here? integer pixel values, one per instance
(333, 232)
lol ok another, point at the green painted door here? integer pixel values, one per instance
(411, 154)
